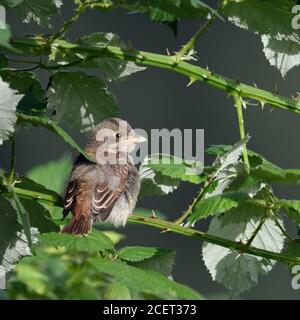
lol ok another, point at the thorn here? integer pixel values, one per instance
(153, 215)
(244, 103)
(262, 104)
(298, 96)
(276, 90)
(271, 109)
(254, 84)
(192, 80)
(164, 230)
(168, 52)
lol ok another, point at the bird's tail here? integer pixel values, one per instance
(80, 225)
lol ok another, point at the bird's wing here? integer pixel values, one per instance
(69, 197)
(104, 198)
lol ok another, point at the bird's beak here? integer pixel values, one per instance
(136, 138)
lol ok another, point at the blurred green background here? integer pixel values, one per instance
(157, 98)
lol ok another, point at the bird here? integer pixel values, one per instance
(103, 186)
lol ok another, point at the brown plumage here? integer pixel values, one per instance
(103, 191)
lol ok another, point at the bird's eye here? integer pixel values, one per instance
(118, 135)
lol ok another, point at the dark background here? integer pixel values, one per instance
(157, 98)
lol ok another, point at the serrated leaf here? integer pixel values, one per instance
(53, 174)
(13, 242)
(176, 168)
(143, 280)
(163, 262)
(163, 10)
(274, 174)
(112, 69)
(292, 209)
(26, 83)
(9, 100)
(284, 55)
(271, 17)
(155, 183)
(5, 36)
(38, 11)
(93, 242)
(80, 100)
(217, 204)
(136, 253)
(237, 271)
(226, 168)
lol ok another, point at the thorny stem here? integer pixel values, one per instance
(192, 42)
(67, 24)
(239, 110)
(173, 227)
(195, 201)
(166, 62)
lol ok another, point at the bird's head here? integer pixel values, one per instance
(112, 139)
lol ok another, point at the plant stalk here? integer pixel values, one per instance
(173, 227)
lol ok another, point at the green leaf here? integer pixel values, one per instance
(293, 248)
(284, 55)
(27, 188)
(155, 183)
(217, 204)
(136, 253)
(117, 291)
(26, 83)
(237, 271)
(273, 174)
(114, 236)
(51, 126)
(176, 168)
(143, 280)
(39, 216)
(226, 168)
(3, 61)
(93, 242)
(163, 10)
(163, 262)
(5, 36)
(10, 3)
(80, 100)
(112, 69)
(9, 100)
(292, 209)
(38, 11)
(53, 174)
(13, 242)
(271, 17)
(261, 168)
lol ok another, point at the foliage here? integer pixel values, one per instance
(246, 236)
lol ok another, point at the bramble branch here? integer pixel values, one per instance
(51, 199)
(194, 73)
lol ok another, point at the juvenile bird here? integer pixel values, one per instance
(105, 188)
